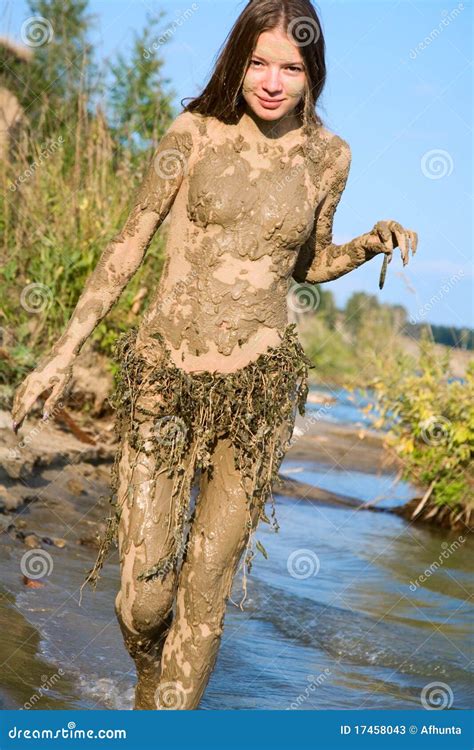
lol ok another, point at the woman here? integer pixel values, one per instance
(213, 376)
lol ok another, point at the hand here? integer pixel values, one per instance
(387, 235)
(54, 374)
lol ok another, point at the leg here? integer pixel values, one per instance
(143, 608)
(218, 537)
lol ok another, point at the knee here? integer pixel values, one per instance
(146, 610)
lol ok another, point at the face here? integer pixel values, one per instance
(275, 80)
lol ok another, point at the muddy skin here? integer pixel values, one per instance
(174, 657)
(247, 212)
(163, 424)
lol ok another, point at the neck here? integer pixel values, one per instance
(268, 129)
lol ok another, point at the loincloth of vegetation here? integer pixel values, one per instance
(189, 412)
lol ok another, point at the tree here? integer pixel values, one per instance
(358, 307)
(140, 109)
(62, 68)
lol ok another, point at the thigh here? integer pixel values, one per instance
(144, 499)
(146, 504)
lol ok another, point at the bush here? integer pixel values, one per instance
(430, 418)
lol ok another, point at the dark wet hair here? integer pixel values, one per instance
(222, 96)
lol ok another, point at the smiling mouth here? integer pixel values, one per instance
(270, 101)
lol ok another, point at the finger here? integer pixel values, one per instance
(374, 244)
(414, 240)
(49, 405)
(385, 236)
(16, 425)
(402, 242)
(20, 409)
(52, 402)
(25, 399)
(383, 229)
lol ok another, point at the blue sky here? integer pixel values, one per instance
(399, 90)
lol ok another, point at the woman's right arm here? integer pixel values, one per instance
(119, 262)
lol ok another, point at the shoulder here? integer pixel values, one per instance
(189, 122)
(331, 152)
(337, 150)
(183, 132)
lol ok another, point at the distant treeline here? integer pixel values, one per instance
(462, 338)
(362, 306)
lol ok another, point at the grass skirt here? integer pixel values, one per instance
(190, 413)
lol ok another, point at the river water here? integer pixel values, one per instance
(351, 609)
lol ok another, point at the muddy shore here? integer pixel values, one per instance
(55, 484)
(54, 488)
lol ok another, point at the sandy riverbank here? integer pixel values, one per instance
(48, 470)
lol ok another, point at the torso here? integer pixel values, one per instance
(243, 210)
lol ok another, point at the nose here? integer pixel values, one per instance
(272, 82)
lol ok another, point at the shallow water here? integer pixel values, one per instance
(346, 409)
(336, 617)
(334, 594)
(380, 489)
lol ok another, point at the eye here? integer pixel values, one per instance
(256, 62)
(295, 68)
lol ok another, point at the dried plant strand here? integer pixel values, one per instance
(190, 413)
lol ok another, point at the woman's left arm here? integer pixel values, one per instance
(319, 259)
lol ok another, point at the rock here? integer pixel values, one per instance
(32, 541)
(75, 486)
(15, 464)
(32, 584)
